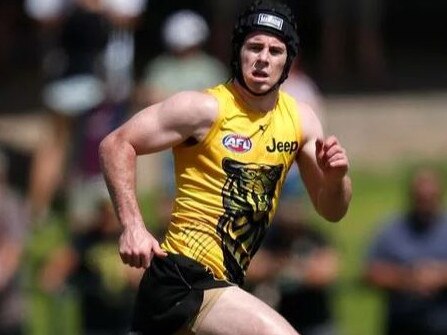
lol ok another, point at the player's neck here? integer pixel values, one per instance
(263, 103)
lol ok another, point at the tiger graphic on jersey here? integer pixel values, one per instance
(247, 200)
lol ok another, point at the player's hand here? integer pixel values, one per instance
(331, 158)
(137, 247)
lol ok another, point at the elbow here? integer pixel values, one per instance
(335, 214)
(115, 147)
(334, 207)
(105, 146)
(334, 218)
(108, 148)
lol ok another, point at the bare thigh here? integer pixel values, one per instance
(238, 312)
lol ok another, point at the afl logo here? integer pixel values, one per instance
(237, 143)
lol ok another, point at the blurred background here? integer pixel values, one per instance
(73, 70)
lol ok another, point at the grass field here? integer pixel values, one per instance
(358, 309)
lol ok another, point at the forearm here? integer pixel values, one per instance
(334, 198)
(118, 162)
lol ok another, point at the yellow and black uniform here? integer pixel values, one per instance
(227, 192)
(228, 185)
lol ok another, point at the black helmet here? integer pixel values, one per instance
(270, 16)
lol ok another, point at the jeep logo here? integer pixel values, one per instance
(282, 146)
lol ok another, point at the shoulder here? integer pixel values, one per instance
(193, 103)
(310, 123)
(191, 108)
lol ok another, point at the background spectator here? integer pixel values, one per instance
(87, 96)
(184, 65)
(14, 222)
(408, 260)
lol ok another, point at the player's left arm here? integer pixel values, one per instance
(324, 167)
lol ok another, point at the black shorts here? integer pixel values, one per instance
(170, 295)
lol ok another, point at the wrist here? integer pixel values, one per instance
(133, 224)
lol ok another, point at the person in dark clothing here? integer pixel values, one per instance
(408, 260)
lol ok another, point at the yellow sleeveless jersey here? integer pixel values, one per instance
(228, 184)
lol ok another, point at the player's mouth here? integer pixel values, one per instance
(260, 74)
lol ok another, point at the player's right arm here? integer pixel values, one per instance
(155, 128)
